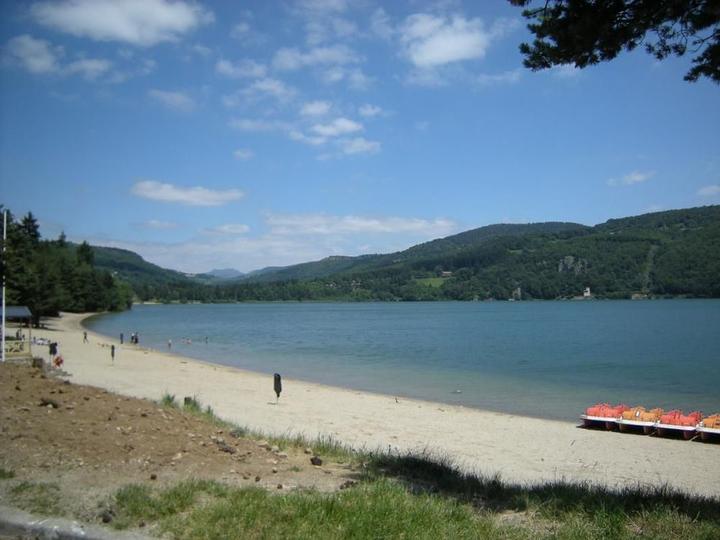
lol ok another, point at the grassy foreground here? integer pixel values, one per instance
(412, 496)
(387, 508)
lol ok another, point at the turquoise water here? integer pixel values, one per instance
(545, 359)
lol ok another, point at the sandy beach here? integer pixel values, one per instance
(519, 449)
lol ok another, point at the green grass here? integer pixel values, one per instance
(168, 400)
(383, 509)
(434, 282)
(564, 510)
(386, 507)
(38, 498)
(6, 474)
(412, 496)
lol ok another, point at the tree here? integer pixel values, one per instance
(30, 228)
(586, 32)
(85, 254)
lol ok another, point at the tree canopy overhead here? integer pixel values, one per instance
(586, 32)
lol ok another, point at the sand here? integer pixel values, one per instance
(518, 449)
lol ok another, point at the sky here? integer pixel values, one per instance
(250, 134)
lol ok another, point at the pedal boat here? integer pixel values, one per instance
(677, 423)
(709, 428)
(603, 415)
(639, 419)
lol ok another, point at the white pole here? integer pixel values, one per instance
(3, 281)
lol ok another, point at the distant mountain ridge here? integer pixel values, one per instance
(447, 246)
(669, 253)
(225, 273)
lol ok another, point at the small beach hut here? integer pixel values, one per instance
(17, 344)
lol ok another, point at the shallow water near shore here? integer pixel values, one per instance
(543, 359)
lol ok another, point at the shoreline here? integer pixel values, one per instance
(252, 373)
(520, 449)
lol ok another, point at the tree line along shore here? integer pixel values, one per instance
(659, 255)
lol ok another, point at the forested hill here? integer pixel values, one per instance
(673, 253)
(441, 248)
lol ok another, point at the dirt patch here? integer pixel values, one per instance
(80, 444)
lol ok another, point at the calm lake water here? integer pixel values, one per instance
(545, 359)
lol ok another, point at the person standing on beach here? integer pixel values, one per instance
(122, 338)
(85, 339)
(169, 344)
(112, 353)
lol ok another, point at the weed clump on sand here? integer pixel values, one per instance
(6, 474)
(168, 400)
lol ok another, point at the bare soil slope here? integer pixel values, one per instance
(83, 443)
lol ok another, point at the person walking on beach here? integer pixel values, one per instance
(112, 353)
(85, 339)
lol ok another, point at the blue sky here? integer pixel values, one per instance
(248, 134)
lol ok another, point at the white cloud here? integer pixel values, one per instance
(430, 41)
(158, 224)
(506, 77)
(35, 55)
(138, 22)
(322, 224)
(241, 69)
(635, 177)
(258, 125)
(173, 100)
(339, 126)
(202, 50)
(380, 24)
(192, 196)
(565, 71)
(240, 30)
(40, 57)
(359, 145)
(307, 139)
(503, 26)
(225, 250)
(292, 239)
(270, 87)
(323, 5)
(290, 59)
(315, 108)
(243, 154)
(322, 28)
(140, 68)
(709, 191)
(90, 68)
(355, 77)
(229, 229)
(369, 111)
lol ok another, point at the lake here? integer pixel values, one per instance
(543, 359)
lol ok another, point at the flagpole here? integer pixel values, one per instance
(3, 281)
